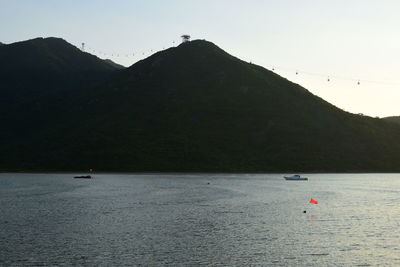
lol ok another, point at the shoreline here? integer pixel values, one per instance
(193, 172)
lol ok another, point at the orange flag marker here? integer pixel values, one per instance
(313, 201)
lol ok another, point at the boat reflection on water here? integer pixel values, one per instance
(88, 176)
(83, 177)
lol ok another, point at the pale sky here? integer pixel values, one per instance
(347, 40)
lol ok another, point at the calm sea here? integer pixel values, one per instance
(199, 219)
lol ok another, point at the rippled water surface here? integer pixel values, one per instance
(199, 219)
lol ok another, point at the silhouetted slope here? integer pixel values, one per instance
(393, 119)
(35, 75)
(197, 108)
(41, 64)
(48, 54)
(33, 68)
(113, 64)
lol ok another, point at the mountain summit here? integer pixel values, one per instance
(196, 108)
(48, 54)
(35, 67)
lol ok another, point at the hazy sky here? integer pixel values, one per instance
(347, 40)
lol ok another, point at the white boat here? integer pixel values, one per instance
(295, 177)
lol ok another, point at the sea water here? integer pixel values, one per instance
(199, 220)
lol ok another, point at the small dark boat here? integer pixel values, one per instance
(83, 176)
(295, 177)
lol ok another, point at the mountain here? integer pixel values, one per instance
(196, 108)
(34, 69)
(43, 63)
(393, 119)
(50, 54)
(34, 77)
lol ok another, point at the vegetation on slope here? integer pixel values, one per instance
(395, 119)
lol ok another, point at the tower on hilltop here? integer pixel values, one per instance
(185, 38)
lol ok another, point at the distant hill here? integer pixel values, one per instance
(33, 68)
(393, 119)
(34, 77)
(49, 61)
(49, 53)
(196, 108)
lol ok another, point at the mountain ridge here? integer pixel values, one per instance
(36, 67)
(23, 54)
(196, 108)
